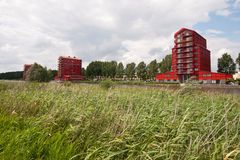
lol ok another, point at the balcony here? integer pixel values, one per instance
(183, 40)
(185, 55)
(181, 45)
(181, 66)
(185, 61)
(184, 50)
(188, 71)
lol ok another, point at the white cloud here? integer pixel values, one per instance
(213, 31)
(223, 12)
(218, 46)
(135, 30)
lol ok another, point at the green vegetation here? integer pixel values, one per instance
(12, 75)
(166, 64)
(120, 70)
(238, 61)
(39, 73)
(141, 71)
(152, 69)
(226, 64)
(106, 84)
(130, 70)
(79, 121)
(101, 69)
(115, 70)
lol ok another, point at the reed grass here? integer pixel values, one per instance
(79, 121)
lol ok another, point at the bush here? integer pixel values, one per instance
(106, 84)
(230, 81)
(39, 73)
(238, 81)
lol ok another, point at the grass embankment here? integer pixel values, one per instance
(57, 121)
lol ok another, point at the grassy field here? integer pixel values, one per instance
(80, 121)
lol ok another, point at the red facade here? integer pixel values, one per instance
(190, 59)
(69, 69)
(25, 70)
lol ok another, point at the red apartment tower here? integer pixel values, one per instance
(191, 60)
(25, 70)
(69, 69)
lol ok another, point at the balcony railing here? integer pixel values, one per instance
(185, 61)
(184, 34)
(185, 66)
(188, 71)
(185, 55)
(190, 49)
(180, 45)
(183, 40)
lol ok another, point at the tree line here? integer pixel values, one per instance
(17, 75)
(115, 70)
(35, 73)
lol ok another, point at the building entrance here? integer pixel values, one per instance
(184, 78)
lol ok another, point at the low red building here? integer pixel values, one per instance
(69, 69)
(25, 70)
(191, 60)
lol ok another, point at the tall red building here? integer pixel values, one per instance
(191, 60)
(25, 70)
(69, 69)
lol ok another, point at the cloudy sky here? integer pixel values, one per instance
(124, 30)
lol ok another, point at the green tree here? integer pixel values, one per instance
(120, 70)
(18, 75)
(38, 73)
(152, 69)
(166, 64)
(141, 70)
(51, 74)
(226, 64)
(83, 71)
(238, 61)
(101, 69)
(94, 69)
(109, 69)
(112, 69)
(130, 70)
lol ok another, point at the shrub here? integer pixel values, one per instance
(238, 81)
(39, 73)
(230, 81)
(106, 84)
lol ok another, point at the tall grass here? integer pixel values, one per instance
(57, 121)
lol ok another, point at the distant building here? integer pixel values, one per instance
(25, 70)
(69, 69)
(191, 60)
